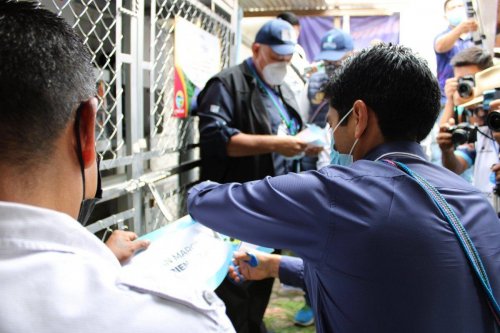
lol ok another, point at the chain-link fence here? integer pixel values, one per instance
(149, 158)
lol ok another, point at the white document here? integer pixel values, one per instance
(185, 253)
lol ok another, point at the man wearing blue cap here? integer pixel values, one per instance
(335, 46)
(248, 121)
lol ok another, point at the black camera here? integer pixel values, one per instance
(463, 133)
(493, 116)
(466, 86)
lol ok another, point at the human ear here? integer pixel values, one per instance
(255, 49)
(360, 110)
(87, 113)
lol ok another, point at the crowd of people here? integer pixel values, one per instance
(383, 239)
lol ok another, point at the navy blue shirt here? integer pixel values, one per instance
(444, 67)
(378, 255)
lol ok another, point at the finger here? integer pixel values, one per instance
(444, 136)
(244, 270)
(140, 244)
(495, 104)
(131, 235)
(241, 256)
(301, 147)
(443, 129)
(234, 275)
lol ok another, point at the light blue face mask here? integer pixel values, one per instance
(456, 16)
(337, 158)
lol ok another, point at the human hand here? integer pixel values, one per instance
(289, 146)
(124, 244)
(267, 266)
(468, 25)
(450, 87)
(495, 104)
(444, 137)
(313, 150)
(496, 169)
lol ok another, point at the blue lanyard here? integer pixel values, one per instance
(290, 123)
(459, 230)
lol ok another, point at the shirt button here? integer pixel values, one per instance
(209, 297)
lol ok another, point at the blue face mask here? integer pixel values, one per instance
(456, 16)
(337, 158)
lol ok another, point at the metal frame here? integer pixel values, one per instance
(149, 159)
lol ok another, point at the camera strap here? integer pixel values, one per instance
(459, 230)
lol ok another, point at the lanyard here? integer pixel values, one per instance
(463, 237)
(399, 153)
(290, 123)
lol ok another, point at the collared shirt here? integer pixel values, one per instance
(378, 255)
(55, 276)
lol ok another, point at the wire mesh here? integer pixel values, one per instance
(96, 23)
(132, 48)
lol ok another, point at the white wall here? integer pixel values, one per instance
(421, 21)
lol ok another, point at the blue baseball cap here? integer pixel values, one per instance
(279, 35)
(334, 45)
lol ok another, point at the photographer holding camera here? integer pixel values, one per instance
(453, 40)
(472, 141)
(459, 88)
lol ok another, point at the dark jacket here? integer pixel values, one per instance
(317, 107)
(249, 117)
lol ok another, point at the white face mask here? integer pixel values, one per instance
(275, 73)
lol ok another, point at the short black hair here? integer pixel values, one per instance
(45, 72)
(473, 56)
(393, 82)
(289, 17)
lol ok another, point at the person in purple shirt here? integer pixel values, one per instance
(453, 40)
(377, 253)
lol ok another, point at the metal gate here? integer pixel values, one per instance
(149, 157)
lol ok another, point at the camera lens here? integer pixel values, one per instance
(465, 89)
(493, 120)
(459, 136)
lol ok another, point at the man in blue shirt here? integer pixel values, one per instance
(453, 40)
(378, 255)
(248, 122)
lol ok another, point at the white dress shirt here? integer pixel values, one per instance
(55, 276)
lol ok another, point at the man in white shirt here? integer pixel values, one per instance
(55, 276)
